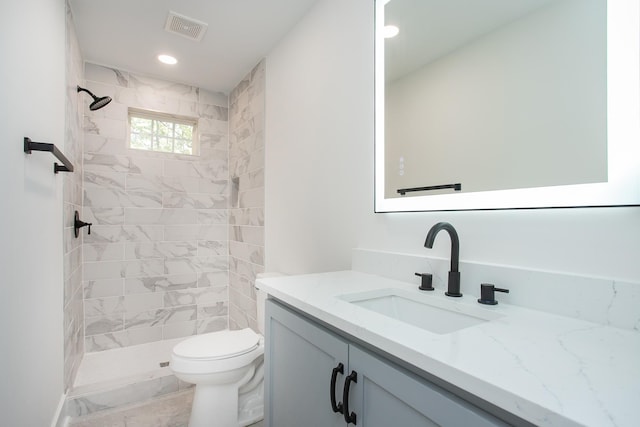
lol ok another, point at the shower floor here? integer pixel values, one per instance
(170, 411)
(167, 411)
(128, 387)
(112, 380)
(109, 368)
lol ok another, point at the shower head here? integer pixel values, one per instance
(97, 103)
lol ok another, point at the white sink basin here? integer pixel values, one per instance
(422, 310)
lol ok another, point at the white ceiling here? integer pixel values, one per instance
(129, 34)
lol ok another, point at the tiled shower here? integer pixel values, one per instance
(72, 195)
(176, 240)
(155, 265)
(246, 220)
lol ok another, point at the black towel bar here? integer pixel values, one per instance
(30, 146)
(455, 187)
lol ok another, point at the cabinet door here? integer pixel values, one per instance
(300, 359)
(385, 395)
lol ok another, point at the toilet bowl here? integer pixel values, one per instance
(227, 370)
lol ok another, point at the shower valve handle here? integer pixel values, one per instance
(78, 224)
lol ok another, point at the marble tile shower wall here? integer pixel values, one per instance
(246, 163)
(156, 262)
(72, 195)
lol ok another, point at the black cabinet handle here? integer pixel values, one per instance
(334, 375)
(349, 417)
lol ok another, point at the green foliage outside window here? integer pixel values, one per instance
(161, 133)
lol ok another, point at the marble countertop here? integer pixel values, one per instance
(547, 369)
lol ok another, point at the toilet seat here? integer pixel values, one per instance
(217, 352)
(218, 345)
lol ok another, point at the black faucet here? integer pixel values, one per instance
(453, 289)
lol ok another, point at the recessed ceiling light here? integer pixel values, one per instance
(167, 59)
(390, 31)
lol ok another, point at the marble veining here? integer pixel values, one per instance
(119, 339)
(141, 250)
(106, 75)
(550, 370)
(103, 288)
(194, 201)
(216, 310)
(99, 402)
(160, 283)
(172, 410)
(213, 216)
(176, 266)
(604, 301)
(113, 197)
(246, 166)
(212, 248)
(103, 216)
(124, 233)
(200, 296)
(160, 316)
(73, 317)
(213, 112)
(103, 324)
(213, 278)
(160, 220)
(247, 216)
(108, 179)
(101, 145)
(212, 324)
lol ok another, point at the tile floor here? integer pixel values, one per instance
(169, 411)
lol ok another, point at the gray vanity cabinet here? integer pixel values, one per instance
(300, 358)
(386, 395)
(301, 355)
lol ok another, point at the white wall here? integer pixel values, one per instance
(319, 173)
(319, 139)
(32, 83)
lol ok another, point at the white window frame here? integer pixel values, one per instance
(164, 117)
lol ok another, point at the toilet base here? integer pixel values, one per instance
(229, 391)
(251, 406)
(212, 403)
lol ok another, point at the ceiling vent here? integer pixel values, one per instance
(185, 26)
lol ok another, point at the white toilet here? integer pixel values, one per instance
(227, 369)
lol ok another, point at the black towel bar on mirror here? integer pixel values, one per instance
(30, 146)
(455, 187)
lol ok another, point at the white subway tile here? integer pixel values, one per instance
(137, 303)
(213, 278)
(103, 288)
(103, 216)
(104, 179)
(94, 307)
(160, 283)
(179, 329)
(103, 252)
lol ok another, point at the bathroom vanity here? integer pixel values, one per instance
(338, 354)
(364, 389)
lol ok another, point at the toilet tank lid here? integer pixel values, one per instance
(217, 345)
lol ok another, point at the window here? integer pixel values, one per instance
(162, 132)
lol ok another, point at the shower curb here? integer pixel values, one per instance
(114, 396)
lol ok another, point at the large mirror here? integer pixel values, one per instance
(498, 104)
